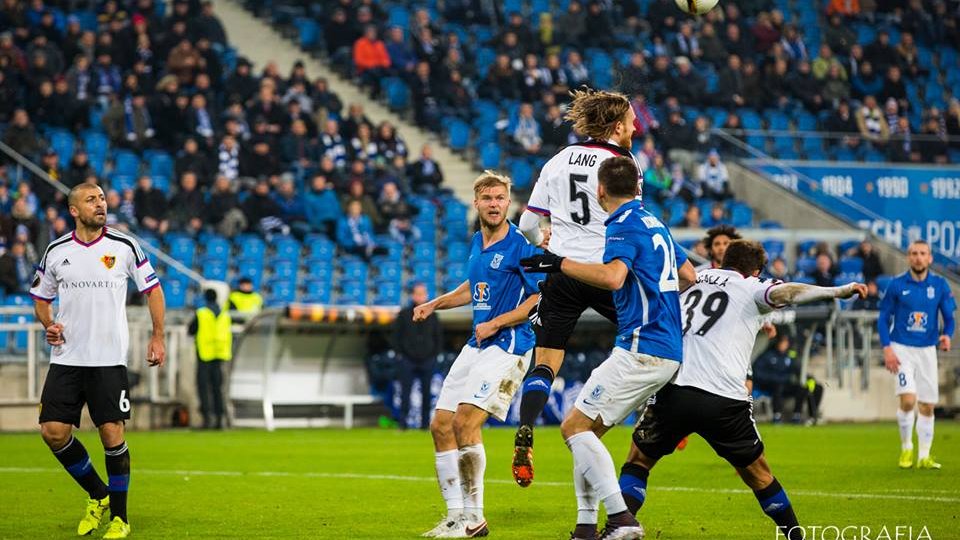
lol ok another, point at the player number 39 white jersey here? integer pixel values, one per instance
(566, 191)
(721, 316)
(90, 281)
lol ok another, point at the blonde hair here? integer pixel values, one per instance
(489, 179)
(595, 113)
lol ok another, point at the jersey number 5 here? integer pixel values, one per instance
(582, 218)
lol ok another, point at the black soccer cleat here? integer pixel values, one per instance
(523, 456)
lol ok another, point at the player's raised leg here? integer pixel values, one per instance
(71, 453)
(772, 497)
(536, 392)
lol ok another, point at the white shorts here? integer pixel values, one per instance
(918, 372)
(623, 382)
(487, 378)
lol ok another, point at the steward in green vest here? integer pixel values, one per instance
(245, 300)
(211, 326)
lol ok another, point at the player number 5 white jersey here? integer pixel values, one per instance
(721, 316)
(566, 191)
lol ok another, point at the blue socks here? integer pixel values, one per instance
(775, 504)
(633, 486)
(536, 393)
(74, 458)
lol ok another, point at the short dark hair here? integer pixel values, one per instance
(745, 256)
(618, 176)
(720, 230)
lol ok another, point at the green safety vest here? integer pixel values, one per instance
(246, 302)
(214, 338)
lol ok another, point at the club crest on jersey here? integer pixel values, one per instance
(481, 295)
(597, 392)
(497, 259)
(931, 292)
(917, 321)
(108, 261)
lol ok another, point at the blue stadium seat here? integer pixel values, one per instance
(63, 143)
(253, 269)
(320, 270)
(183, 249)
(806, 265)
(284, 270)
(126, 163)
(851, 265)
(318, 292)
(308, 31)
(847, 245)
(426, 272)
(770, 224)
(521, 173)
(287, 249)
(458, 251)
(217, 246)
(389, 271)
(882, 283)
(741, 215)
(175, 293)
(458, 135)
(398, 16)
(160, 164)
(490, 156)
(251, 247)
(806, 247)
(424, 252)
(389, 293)
(398, 95)
(352, 292)
(355, 271)
(774, 248)
(282, 292)
(322, 248)
(457, 271)
(214, 268)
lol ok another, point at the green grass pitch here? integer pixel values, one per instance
(369, 483)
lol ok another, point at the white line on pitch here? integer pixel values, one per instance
(357, 476)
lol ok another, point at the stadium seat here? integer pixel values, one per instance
(806, 265)
(389, 293)
(458, 251)
(770, 224)
(63, 143)
(183, 249)
(282, 292)
(847, 245)
(457, 271)
(521, 173)
(308, 31)
(882, 283)
(774, 248)
(214, 268)
(126, 163)
(284, 270)
(287, 249)
(424, 252)
(321, 248)
(352, 293)
(320, 270)
(251, 268)
(807, 280)
(851, 265)
(318, 292)
(354, 271)
(251, 247)
(217, 246)
(425, 272)
(389, 271)
(741, 215)
(175, 293)
(458, 135)
(490, 156)
(160, 164)
(398, 95)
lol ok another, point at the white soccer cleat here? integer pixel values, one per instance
(623, 533)
(448, 525)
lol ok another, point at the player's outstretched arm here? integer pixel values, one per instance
(609, 276)
(458, 297)
(801, 293)
(156, 350)
(505, 320)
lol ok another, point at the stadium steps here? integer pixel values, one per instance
(261, 43)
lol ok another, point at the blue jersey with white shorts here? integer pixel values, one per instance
(914, 306)
(499, 285)
(648, 304)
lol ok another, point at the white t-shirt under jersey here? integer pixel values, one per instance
(721, 314)
(91, 283)
(566, 191)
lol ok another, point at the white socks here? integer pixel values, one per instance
(924, 435)
(905, 422)
(472, 463)
(592, 463)
(448, 476)
(587, 502)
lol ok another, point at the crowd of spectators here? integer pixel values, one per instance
(255, 151)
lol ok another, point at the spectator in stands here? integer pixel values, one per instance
(822, 64)
(325, 102)
(202, 120)
(825, 272)
(894, 87)
(6, 199)
(262, 212)
(880, 53)
(21, 136)
(425, 173)
(299, 152)
(389, 144)
(207, 25)
(872, 268)
(714, 177)
(322, 207)
(842, 122)
(872, 123)
(129, 123)
(765, 34)
(902, 147)
(730, 83)
(355, 231)
(222, 210)
(839, 36)
(186, 207)
(933, 148)
(402, 57)
(363, 147)
(657, 180)
(339, 34)
(792, 43)
(190, 159)
(526, 133)
(713, 47)
(686, 85)
(426, 111)
(577, 72)
(686, 43)
(397, 213)
(677, 137)
(779, 270)
(151, 206)
(776, 84)
(753, 90)
(417, 345)
(847, 8)
(691, 217)
(115, 218)
(776, 371)
(806, 87)
(31, 203)
(293, 210)
(572, 25)
(242, 84)
(834, 86)
(866, 82)
(50, 163)
(356, 191)
(872, 300)
(332, 144)
(78, 169)
(717, 216)
(15, 269)
(370, 59)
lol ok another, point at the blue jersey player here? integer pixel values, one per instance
(640, 266)
(914, 300)
(488, 371)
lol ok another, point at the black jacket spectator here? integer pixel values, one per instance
(150, 203)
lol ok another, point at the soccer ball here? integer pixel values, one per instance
(696, 7)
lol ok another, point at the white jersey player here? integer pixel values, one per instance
(566, 192)
(722, 313)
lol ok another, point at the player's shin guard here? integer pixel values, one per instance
(592, 460)
(633, 486)
(118, 470)
(536, 392)
(924, 436)
(775, 504)
(905, 421)
(74, 458)
(448, 475)
(473, 464)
